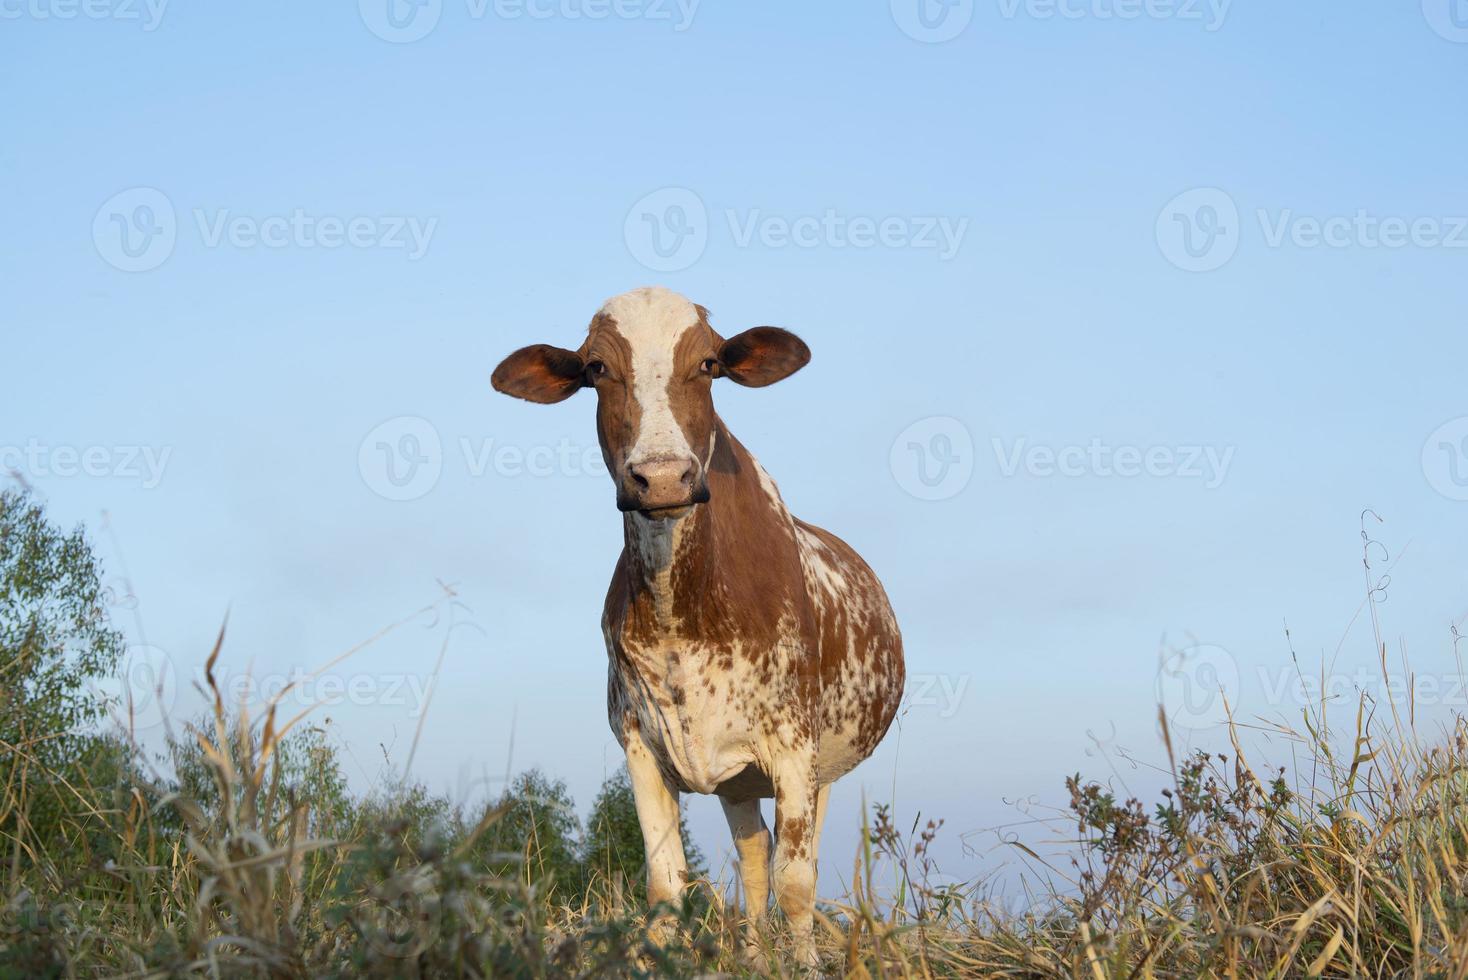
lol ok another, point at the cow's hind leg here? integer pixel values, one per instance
(657, 813)
(752, 842)
(795, 866)
(823, 796)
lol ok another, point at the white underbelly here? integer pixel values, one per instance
(705, 743)
(837, 756)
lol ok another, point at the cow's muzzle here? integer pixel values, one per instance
(662, 487)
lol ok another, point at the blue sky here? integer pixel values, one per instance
(1121, 314)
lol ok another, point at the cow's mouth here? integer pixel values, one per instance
(668, 509)
(667, 513)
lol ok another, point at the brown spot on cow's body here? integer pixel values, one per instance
(792, 831)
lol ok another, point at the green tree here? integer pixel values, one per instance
(55, 642)
(612, 850)
(535, 835)
(305, 770)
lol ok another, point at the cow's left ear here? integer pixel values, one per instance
(540, 373)
(763, 355)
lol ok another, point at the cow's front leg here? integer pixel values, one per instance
(657, 813)
(795, 866)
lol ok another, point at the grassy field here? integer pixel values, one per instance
(254, 862)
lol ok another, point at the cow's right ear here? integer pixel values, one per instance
(540, 373)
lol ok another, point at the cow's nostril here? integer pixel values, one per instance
(666, 482)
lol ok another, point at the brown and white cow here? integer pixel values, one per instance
(751, 654)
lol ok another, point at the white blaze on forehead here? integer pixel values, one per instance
(652, 320)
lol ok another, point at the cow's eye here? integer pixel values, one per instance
(595, 369)
(709, 365)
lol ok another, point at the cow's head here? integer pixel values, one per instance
(652, 358)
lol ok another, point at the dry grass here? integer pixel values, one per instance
(1237, 872)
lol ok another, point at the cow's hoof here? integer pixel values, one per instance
(806, 956)
(752, 955)
(662, 931)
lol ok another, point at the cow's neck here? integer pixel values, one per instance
(679, 569)
(665, 559)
